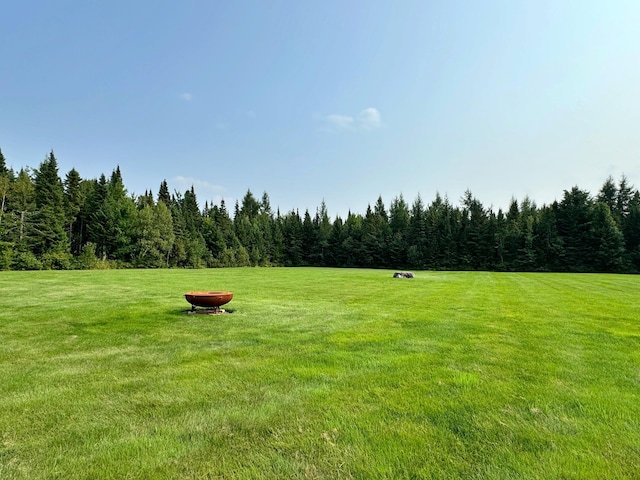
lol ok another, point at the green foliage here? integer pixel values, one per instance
(57, 260)
(6, 255)
(23, 208)
(163, 193)
(154, 236)
(96, 216)
(573, 221)
(74, 198)
(25, 260)
(87, 259)
(4, 171)
(242, 258)
(51, 219)
(4, 193)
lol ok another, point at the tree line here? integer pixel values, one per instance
(50, 223)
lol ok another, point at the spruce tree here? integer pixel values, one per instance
(120, 214)
(632, 233)
(250, 206)
(573, 221)
(607, 242)
(609, 195)
(50, 216)
(96, 217)
(322, 225)
(417, 235)
(73, 202)
(163, 193)
(4, 171)
(399, 230)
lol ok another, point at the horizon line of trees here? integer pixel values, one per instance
(50, 223)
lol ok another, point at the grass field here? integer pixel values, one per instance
(319, 373)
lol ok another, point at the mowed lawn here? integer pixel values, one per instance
(319, 373)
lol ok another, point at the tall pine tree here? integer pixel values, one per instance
(50, 213)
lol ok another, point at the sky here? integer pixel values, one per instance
(335, 100)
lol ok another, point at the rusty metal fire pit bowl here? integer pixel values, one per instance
(210, 301)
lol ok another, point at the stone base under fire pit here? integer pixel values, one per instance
(207, 311)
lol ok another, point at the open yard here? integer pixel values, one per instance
(319, 373)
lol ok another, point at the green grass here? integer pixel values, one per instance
(319, 373)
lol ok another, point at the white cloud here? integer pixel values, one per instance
(187, 97)
(369, 118)
(202, 188)
(340, 122)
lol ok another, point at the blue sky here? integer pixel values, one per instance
(336, 100)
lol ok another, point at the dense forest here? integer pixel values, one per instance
(50, 223)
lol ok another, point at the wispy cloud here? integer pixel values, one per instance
(202, 187)
(341, 122)
(367, 119)
(187, 97)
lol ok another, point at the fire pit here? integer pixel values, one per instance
(210, 301)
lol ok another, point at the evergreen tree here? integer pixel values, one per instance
(213, 237)
(607, 251)
(291, 226)
(277, 241)
(513, 240)
(450, 220)
(225, 224)
(609, 195)
(178, 255)
(73, 201)
(250, 206)
(526, 254)
(632, 233)
(623, 198)
(264, 230)
(417, 238)
(322, 226)
(376, 234)
(265, 205)
(352, 243)
(309, 239)
(574, 223)
(436, 233)
(196, 251)
(476, 241)
(23, 206)
(526, 257)
(548, 244)
(120, 215)
(399, 218)
(500, 237)
(145, 199)
(50, 213)
(95, 216)
(163, 193)
(335, 256)
(4, 170)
